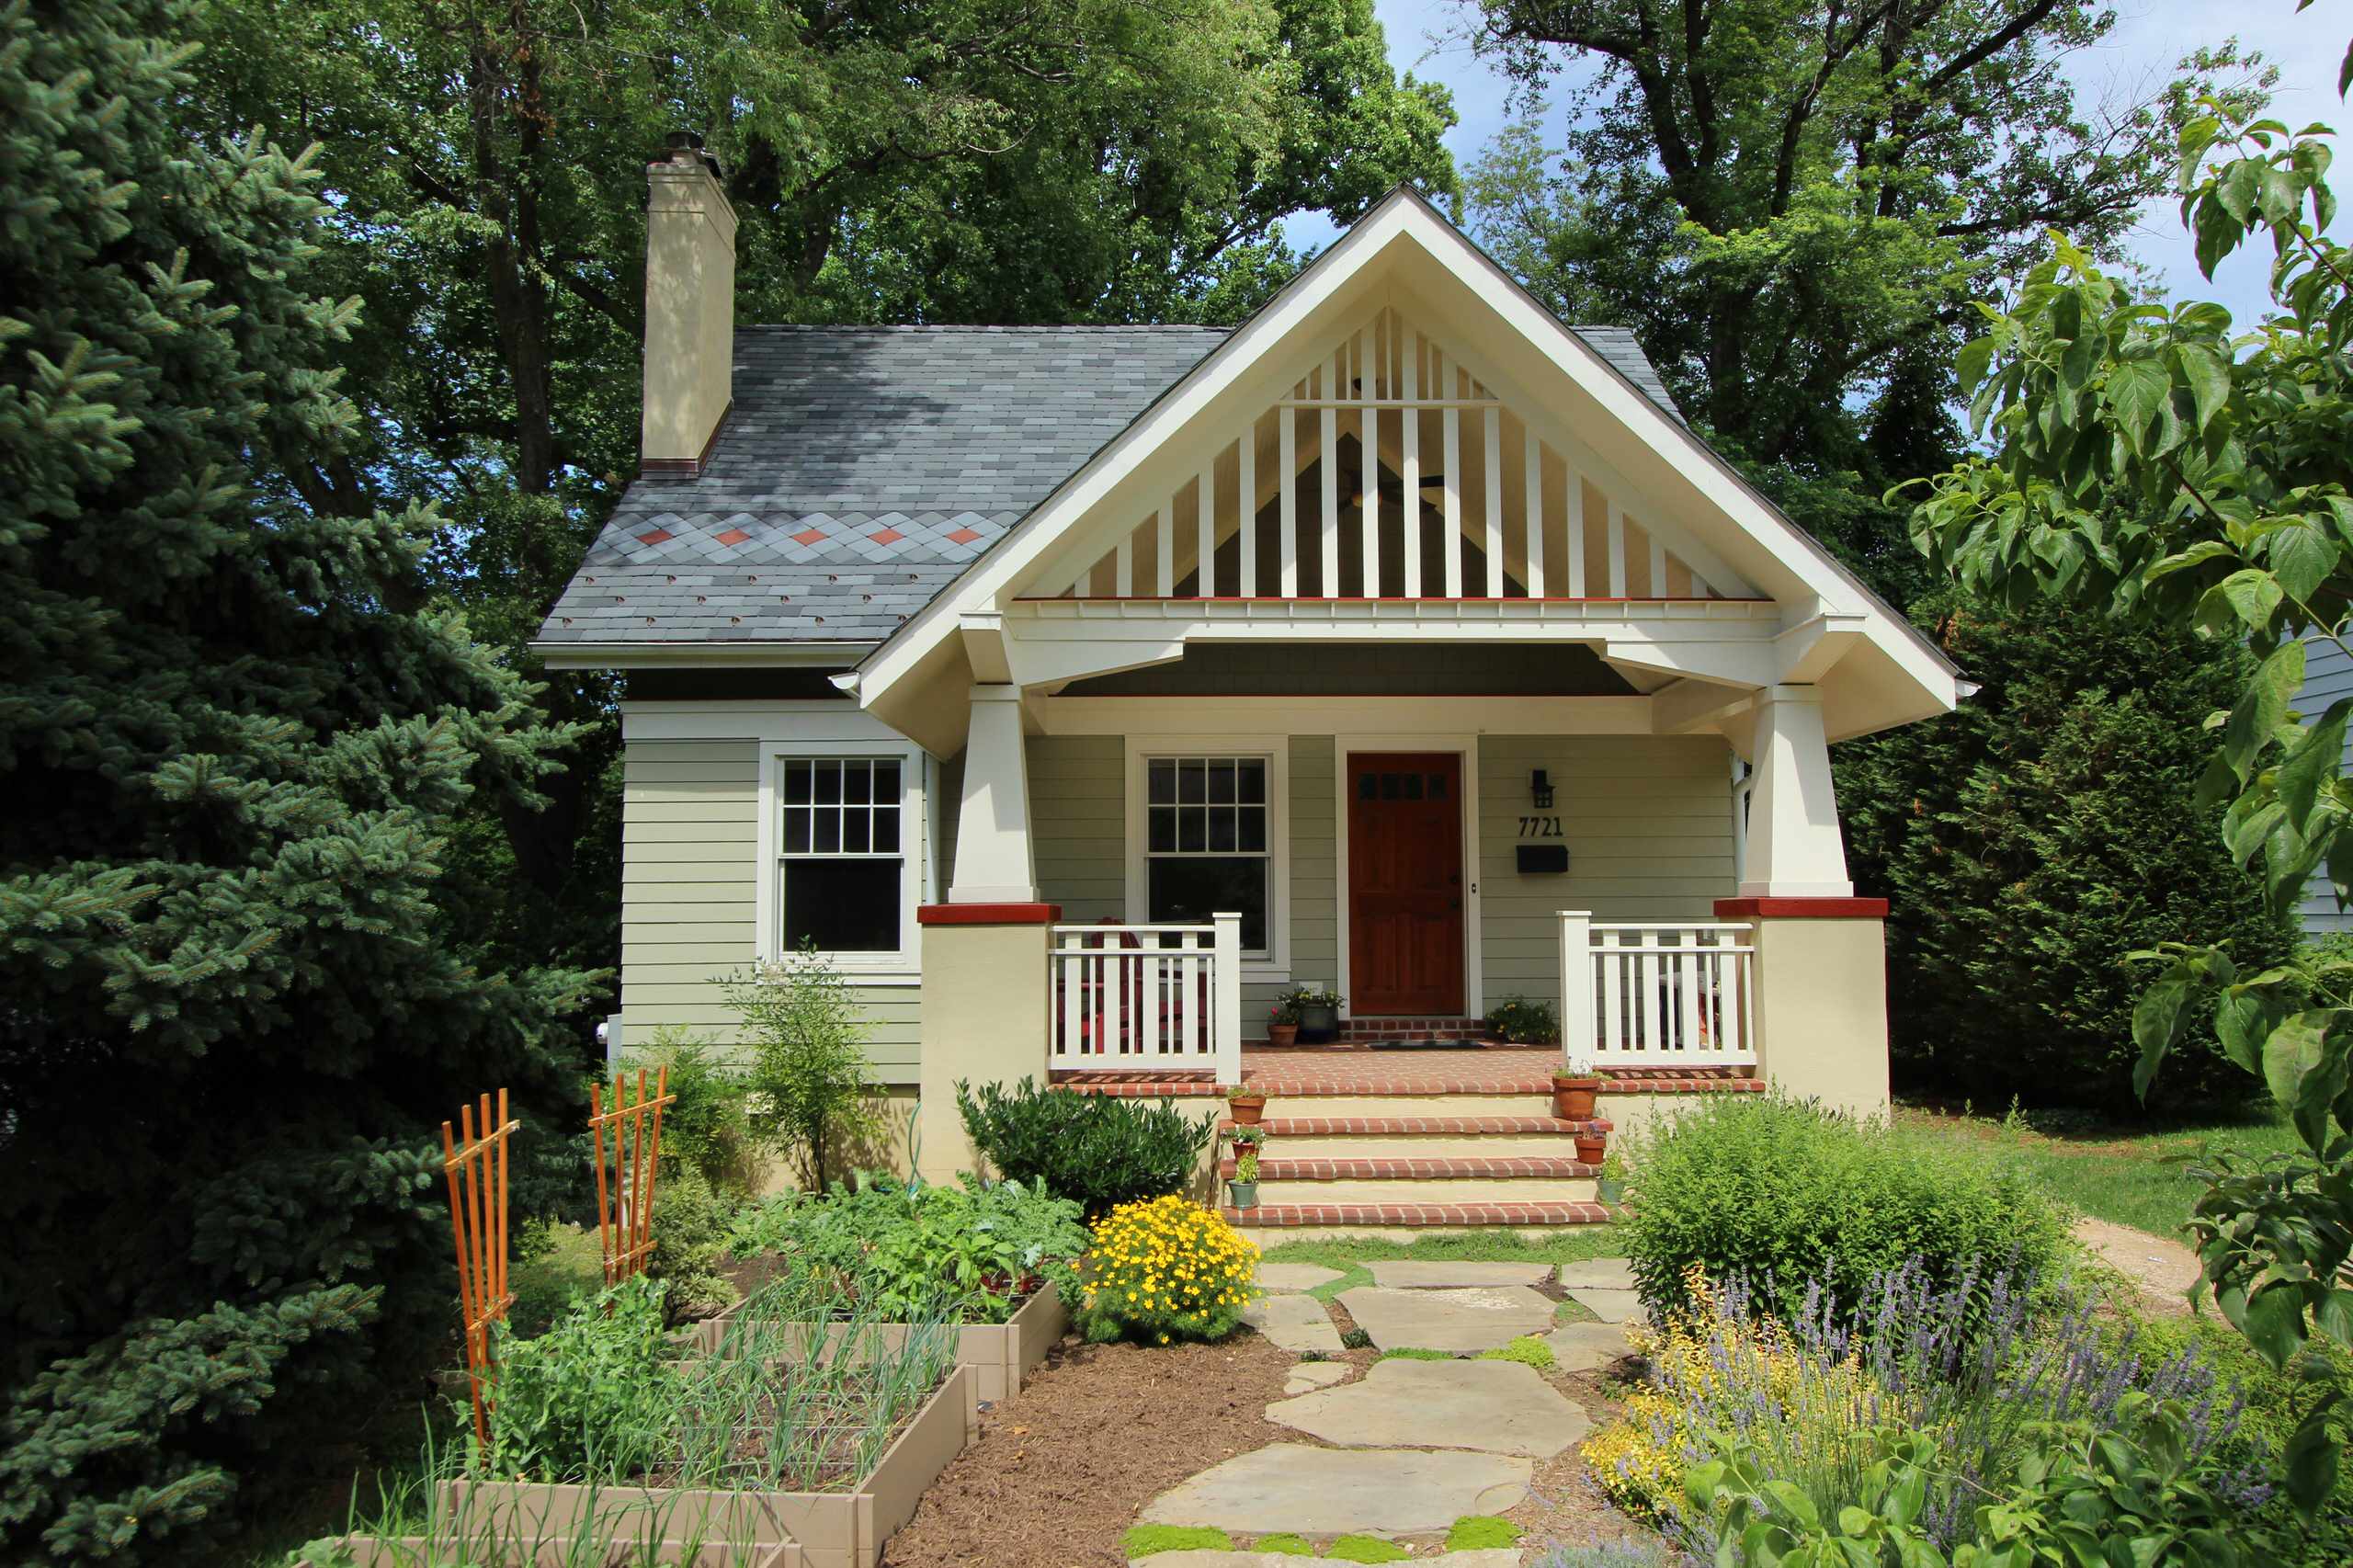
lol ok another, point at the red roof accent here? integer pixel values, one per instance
(963, 536)
(886, 536)
(733, 536)
(654, 536)
(809, 536)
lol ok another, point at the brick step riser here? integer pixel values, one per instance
(1273, 1223)
(1424, 1145)
(1427, 1189)
(1281, 1104)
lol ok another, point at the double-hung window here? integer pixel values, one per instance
(847, 830)
(1209, 842)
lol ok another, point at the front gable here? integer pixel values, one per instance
(1403, 444)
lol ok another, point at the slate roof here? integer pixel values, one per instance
(861, 469)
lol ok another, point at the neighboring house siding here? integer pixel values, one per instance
(689, 865)
(1648, 825)
(2328, 676)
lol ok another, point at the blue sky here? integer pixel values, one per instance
(2134, 61)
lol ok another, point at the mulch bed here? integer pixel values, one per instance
(1062, 1468)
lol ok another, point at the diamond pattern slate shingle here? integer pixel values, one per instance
(861, 469)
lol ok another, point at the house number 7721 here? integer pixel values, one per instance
(1540, 828)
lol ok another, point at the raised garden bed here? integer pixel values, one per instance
(521, 1524)
(1000, 1356)
(842, 1529)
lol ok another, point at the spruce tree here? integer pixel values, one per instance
(233, 736)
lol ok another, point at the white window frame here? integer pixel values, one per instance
(914, 846)
(1273, 965)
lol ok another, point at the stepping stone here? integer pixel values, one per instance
(1286, 1276)
(1490, 1557)
(1309, 1376)
(1295, 1322)
(1405, 1276)
(1498, 1407)
(1598, 1274)
(1609, 1306)
(1291, 1486)
(1456, 1320)
(1588, 1346)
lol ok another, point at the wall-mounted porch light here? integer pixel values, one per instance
(1540, 790)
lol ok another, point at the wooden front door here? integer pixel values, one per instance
(1405, 885)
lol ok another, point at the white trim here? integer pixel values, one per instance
(559, 655)
(1474, 997)
(1176, 719)
(796, 719)
(1275, 965)
(915, 841)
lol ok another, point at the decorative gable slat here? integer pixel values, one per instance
(1399, 498)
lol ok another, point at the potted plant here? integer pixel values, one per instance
(1282, 1021)
(1611, 1187)
(1319, 1013)
(1245, 1105)
(1593, 1143)
(1245, 1185)
(1574, 1088)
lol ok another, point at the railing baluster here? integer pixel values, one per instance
(1694, 1036)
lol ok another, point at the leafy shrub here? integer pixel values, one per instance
(710, 1126)
(691, 1224)
(1098, 1149)
(909, 1251)
(591, 1396)
(2036, 835)
(1787, 1197)
(554, 1265)
(1523, 1022)
(1166, 1269)
(807, 1076)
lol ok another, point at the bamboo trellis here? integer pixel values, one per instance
(475, 1163)
(625, 1217)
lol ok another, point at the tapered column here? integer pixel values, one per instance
(1794, 847)
(995, 862)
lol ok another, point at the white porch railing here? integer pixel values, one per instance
(1148, 997)
(1658, 995)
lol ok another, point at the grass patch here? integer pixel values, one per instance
(1574, 1311)
(1283, 1545)
(1144, 1540)
(1527, 1350)
(1415, 1352)
(2107, 1170)
(1365, 1549)
(1350, 1254)
(1479, 1532)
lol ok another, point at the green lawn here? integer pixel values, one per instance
(2112, 1172)
(1350, 1254)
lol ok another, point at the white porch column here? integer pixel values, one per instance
(994, 861)
(1226, 1024)
(1580, 1027)
(1794, 847)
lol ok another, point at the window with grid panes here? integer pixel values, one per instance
(1206, 841)
(842, 865)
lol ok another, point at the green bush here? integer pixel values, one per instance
(1523, 1022)
(808, 1070)
(590, 1397)
(1100, 1149)
(1783, 1193)
(709, 1125)
(691, 1224)
(910, 1251)
(2033, 837)
(554, 1265)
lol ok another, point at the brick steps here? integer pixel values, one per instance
(1358, 1219)
(1471, 1173)
(1460, 1167)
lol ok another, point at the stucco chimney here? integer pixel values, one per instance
(689, 308)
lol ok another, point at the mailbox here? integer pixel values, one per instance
(1550, 859)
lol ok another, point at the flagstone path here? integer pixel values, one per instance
(1412, 1445)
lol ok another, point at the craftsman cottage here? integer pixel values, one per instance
(1079, 690)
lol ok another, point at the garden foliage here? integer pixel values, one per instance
(1165, 1270)
(236, 742)
(1786, 1197)
(590, 1396)
(2034, 838)
(910, 1251)
(2158, 461)
(709, 1125)
(1098, 1149)
(1525, 1022)
(809, 1093)
(690, 1229)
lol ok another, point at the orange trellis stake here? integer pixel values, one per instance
(625, 1219)
(476, 1167)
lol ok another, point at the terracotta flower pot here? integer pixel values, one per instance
(1573, 1098)
(1246, 1108)
(1282, 1034)
(1591, 1150)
